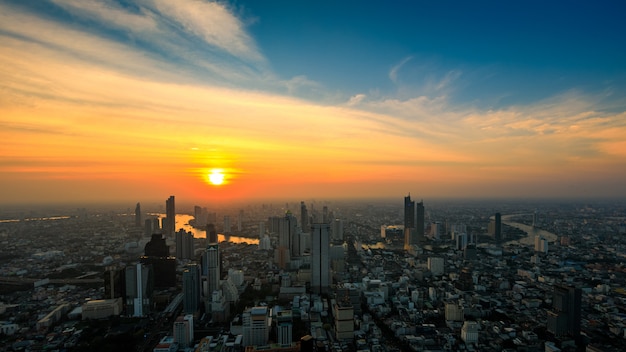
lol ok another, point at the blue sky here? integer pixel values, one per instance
(498, 52)
(439, 98)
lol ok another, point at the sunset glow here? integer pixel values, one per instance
(116, 102)
(216, 177)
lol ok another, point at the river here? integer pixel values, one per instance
(530, 231)
(182, 222)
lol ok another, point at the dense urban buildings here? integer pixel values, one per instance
(459, 288)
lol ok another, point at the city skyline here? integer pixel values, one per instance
(226, 101)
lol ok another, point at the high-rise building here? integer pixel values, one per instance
(255, 326)
(183, 331)
(191, 289)
(184, 245)
(304, 217)
(157, 254)
(170, 217)
(288, 236)
(541, 244)
(227, 226)
(211, 268)
(284, 327)
(564, 318)
(240, 221)
(211, 234)
(419, 221)
(343, 313)
(114, 283)
(498, 227)
(337, 229)
(261, 229)
(138, 221)
(139, 289)
(413, 222)
(409, 212)
(320, 258)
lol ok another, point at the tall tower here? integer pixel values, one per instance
(138, 222)
(211, 234)
(184, 244)
(498, 227)
(419, 221)
(320, 258)
(227, 227)
(170, 217)
(211, 268)
(139, 288)
(304, 216)
(191, 288)
(288, 236)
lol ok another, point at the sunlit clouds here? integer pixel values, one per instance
(121, 102)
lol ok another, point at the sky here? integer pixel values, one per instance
(120, 100)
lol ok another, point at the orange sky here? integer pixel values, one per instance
(77, 129)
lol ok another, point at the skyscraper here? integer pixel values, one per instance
(184, 245)
(498, 227)
(139, 288)
(191, 288)
(320, 258)
(157, 254)
(138, 222)
(170, 217)
(564, 318)
(419, 221)
(409, 213)
(288, 236)
(304, 216)
(211, 268)
(227, 227)
(211, 234)
(413, 222)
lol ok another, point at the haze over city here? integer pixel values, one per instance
(137, 100)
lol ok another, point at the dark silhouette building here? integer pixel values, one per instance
(211, 233)
(564, 318)
(157, 254)
(498, 227)
(169, 227)
(413, 222)
(138, 222)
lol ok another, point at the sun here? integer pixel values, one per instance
(216, 177)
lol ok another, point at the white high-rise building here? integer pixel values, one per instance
(255, 326)
(320, 258)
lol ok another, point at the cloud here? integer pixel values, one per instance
(356, 99)
(393, 73)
